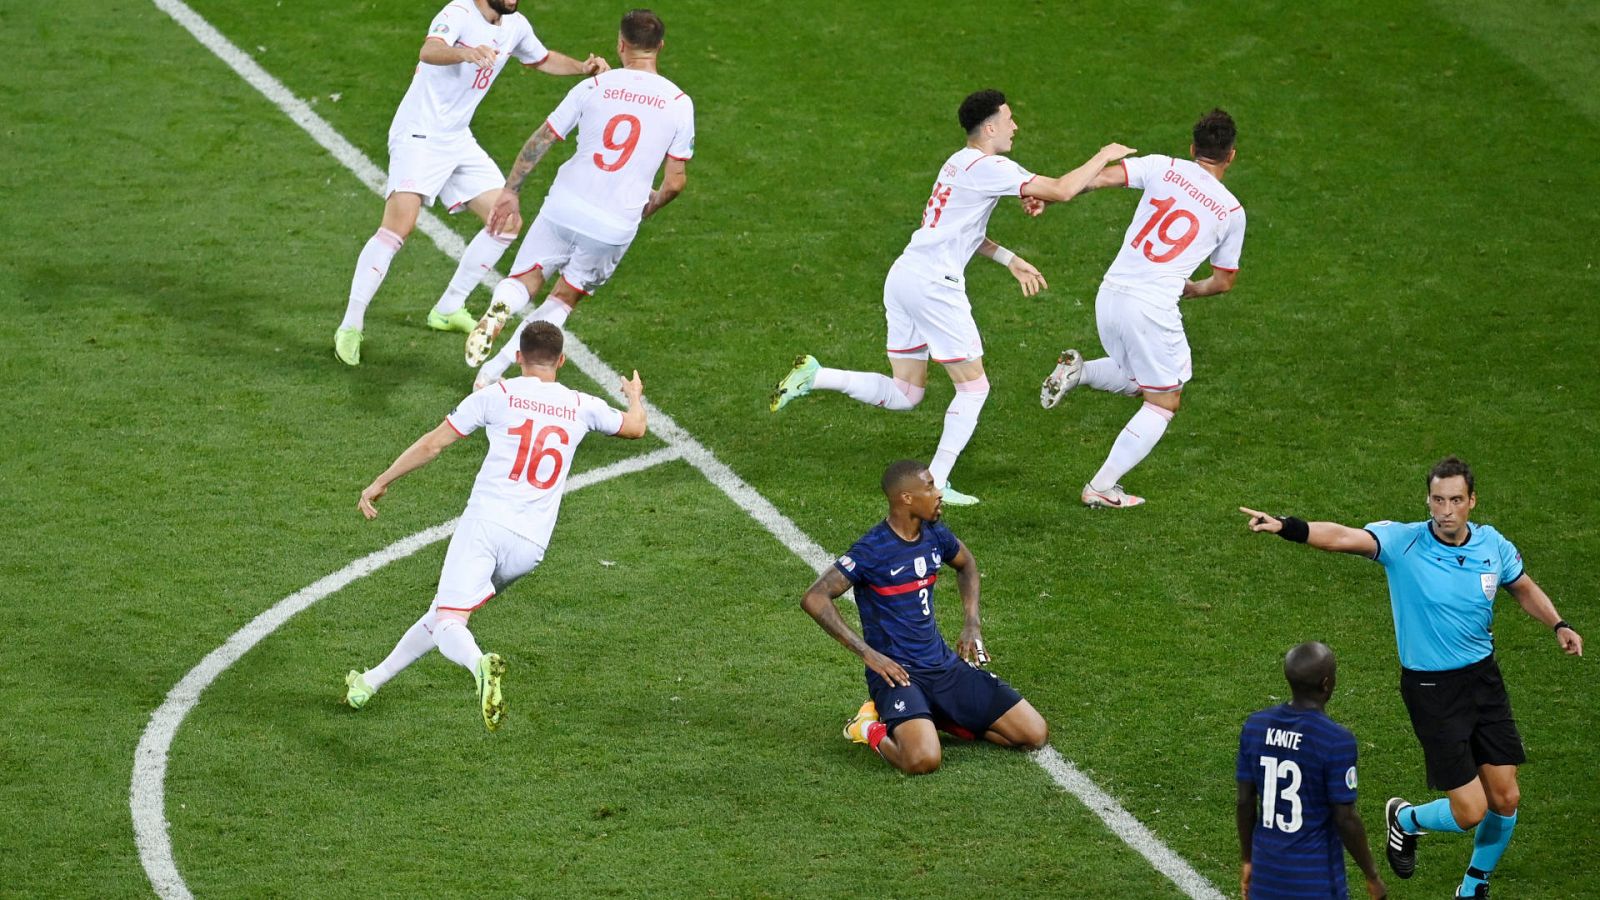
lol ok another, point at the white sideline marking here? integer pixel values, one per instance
(146, 796)
(150, 825)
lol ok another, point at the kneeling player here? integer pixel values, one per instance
(918, 684)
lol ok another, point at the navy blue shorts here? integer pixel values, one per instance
(972, 698)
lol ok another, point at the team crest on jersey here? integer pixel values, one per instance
(937, 559)
(848, 563)
(921, 565)
(1350, 778)
(1491, 585)
(899, 706)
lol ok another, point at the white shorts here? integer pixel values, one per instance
(583, 262)
(483, 558)
(451, 171)
(1144, 339)
(927, 316)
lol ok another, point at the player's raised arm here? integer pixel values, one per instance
(1535, 602)
(635, 422)
(1329, 536)
(1073, 183)
(562, 64)
(818, 603)
(436, 52)
(420, 453)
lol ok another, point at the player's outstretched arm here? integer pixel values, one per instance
(1060, 190)
(1220, 281)
(818, 603)
(562, 64)
(436, 52)
(970, 646)
(1031, 279)
(1330, 536)
(1354, 837)
(636, 420)
(1244, 817)
(1535, 602)
(674, 176)
(420, 453)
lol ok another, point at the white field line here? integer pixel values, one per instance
(147, 794)
(160, 865)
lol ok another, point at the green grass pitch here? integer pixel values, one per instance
(181, 450)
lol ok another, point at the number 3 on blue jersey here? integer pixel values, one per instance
(924, 595)
(1271, 792)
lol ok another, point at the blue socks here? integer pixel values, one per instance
(1434, 816)
(1488, 844)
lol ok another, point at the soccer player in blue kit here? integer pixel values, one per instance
(917, 683)
(1297, 792)
(1444, 574)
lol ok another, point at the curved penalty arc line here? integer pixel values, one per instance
(147, 792)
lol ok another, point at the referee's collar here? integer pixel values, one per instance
(1441, 542)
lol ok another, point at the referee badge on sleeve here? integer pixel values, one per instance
(1491, 585)
(1350, 778)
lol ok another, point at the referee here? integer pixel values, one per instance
(1444, 574)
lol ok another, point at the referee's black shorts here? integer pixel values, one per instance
(1463, 719)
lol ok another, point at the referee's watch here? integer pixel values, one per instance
(1562, 624)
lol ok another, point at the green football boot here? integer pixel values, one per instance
(795, 384)
(460, 320)
(357, 692)
(491, 668)
(953, 497)
(347, 346)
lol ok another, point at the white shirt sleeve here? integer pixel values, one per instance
(473, 412)
(1226, 256)
(447, 25)
(565, 118)
(997, 176)
(599, 415)
(683, 140)
(1138, 169)
(530, 51)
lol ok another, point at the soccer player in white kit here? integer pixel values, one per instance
(925, 295)
(1185, 218)
(433, 155)
(534, 425)
(630, 122)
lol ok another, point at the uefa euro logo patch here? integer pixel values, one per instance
(1350, 778)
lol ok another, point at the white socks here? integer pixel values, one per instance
(456, 643)
(479, 258)
(1135, 442)
(371, 267)
(960, 420)
(414, 645)
(870, 388)
(1104, 374)
(551, 310)
(513, 293)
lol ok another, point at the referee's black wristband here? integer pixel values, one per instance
(1294, 529)
(1562, 624)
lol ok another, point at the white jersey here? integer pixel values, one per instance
(441, 100)
(628, 121)
(1185, 217)
(534, 428)
(957, 215)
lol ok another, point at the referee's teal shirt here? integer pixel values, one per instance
(1443, 596)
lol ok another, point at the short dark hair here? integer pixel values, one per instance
(1450, 467)
(642, 29)
(979, 107)
(541, 344)
(899, 472)
(1214, 135)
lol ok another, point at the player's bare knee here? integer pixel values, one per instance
(1468, 812)
(921, 760)
(1035, 734)
(1506, 800)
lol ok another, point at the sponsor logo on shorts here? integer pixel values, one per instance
(1350, 778)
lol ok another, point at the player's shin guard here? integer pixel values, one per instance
(1432, 816)
(960, 420)
(372, 266)
(1135, 442)
(478, 260)
(456, 642)
(1488, 845)
(413, 645)
(1105, 375)
(870, 388)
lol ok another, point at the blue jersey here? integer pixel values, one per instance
(1301, 763)
(894, 579)
(1443, 596)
